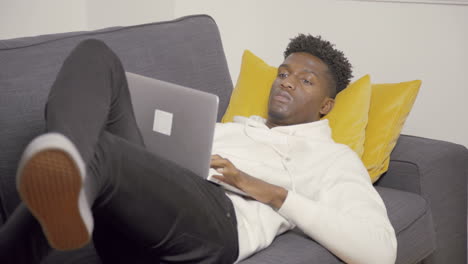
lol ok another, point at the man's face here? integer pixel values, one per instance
(300, 92)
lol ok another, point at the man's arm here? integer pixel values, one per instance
(349, 218)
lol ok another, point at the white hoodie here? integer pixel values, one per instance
(330, 195)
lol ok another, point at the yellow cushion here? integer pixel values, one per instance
(250, 96)
(384, 115)
(390, 105)
(347, 119)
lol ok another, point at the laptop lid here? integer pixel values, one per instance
(176, 122)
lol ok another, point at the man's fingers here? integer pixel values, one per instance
(216, 164)
(216, 156)
(219, 168)
(219, 163)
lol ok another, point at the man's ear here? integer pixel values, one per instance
(327, 105)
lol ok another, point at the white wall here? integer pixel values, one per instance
(20, 18)
(393, 42)
(107, 13)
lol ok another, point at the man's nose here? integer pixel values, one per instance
(288, 84)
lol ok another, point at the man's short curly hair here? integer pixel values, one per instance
(339, 67)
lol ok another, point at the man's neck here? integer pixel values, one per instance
(270, 124)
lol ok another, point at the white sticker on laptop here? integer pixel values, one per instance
(162, 122)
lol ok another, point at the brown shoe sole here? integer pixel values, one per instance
(50, 185)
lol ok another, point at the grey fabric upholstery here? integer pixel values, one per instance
(424, 188)
(411, 218)
(187, 51)
(437, 171)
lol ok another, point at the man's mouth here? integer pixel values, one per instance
(283, 97)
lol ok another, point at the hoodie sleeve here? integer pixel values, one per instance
(348, 217)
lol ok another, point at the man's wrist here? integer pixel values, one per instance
(279, 195)
(262, 191)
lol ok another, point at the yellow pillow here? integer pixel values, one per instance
(390, 105)
(250, 96)
(348, 119)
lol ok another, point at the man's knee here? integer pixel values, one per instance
(92, 45)
(93, 48)
(93, 52)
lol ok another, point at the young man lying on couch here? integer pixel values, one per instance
(91, 164)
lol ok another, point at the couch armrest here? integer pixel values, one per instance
(438, 171)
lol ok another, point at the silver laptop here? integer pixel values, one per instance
(176, 122)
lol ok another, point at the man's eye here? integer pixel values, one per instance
(306, 82)
(282, 75)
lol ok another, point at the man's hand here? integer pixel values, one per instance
(230, 174)
(260, 190)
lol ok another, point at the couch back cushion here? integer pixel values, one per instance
(185, 51)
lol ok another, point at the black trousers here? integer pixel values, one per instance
(146, 209)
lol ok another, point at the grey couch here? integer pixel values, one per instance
(424, 189)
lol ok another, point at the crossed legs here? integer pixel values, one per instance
(157, 209)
